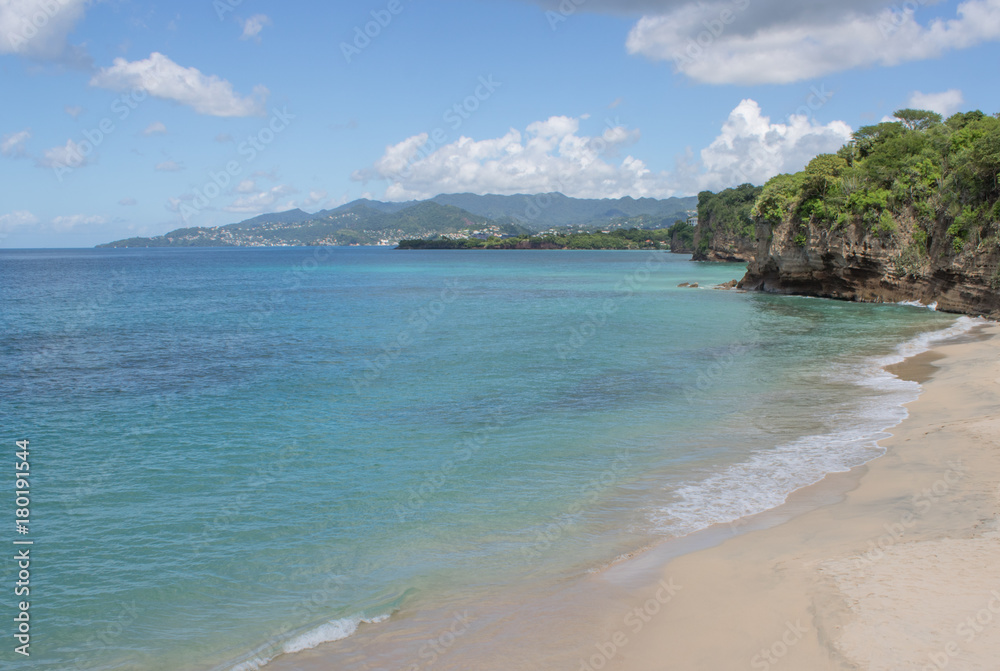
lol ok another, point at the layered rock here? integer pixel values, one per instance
(858, 265)
(725, 231)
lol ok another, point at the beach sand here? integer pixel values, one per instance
(894, 565)
(901, 571)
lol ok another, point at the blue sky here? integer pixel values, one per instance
(136, 118)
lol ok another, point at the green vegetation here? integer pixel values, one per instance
(633, 238)
(728, 212)
(682, 236)
(933, 171)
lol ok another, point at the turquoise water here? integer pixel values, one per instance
(242, 453)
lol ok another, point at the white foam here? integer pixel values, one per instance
(328, 632)
(767, 477)
(334, 630)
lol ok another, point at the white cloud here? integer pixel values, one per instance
(262, 201)
(552, 156)
(549, 156)
(253, 26)
(71, 155)
(38, 29)
(155, 128)
(246, 186)
(315, 198)
(65, 223)
(162, 78)
(168, 166)
(752, 148)
(13, 143)
(74, 111)
(945, 103)
(128, 202)
(8, 222)
(779, 41)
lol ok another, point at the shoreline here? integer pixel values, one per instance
(884, 574)
(579, 619)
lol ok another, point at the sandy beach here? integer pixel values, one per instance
(894, 565)
(900, 569)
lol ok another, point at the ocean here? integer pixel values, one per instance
(238, 455)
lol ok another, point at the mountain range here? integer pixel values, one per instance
(372, 222)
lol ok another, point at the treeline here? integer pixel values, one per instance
(633, 238)
(727, 212)
(943, 174)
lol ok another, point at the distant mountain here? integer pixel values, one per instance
(360, 224)
(552, 210)
(370, 222)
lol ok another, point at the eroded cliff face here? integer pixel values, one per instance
(725, 230)
(722, 245)
(858, 265)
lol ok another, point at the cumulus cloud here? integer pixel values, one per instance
(39, 29)
(128, 202)
(782, 41)
(168, 166)
(945, 103)
(752, 148)
(551, 155)
(8, 222)
(261, 201)
(70, 155)
(13, 143)
(74, 111)
(162, 78)
(315, 198)
(155, 128)
(246, 186)
(253, 26)
(223, 138)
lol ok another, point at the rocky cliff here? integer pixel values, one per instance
(909, 210)
(861, 265)
(725, 230)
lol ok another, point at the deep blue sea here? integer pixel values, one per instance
(239, 454)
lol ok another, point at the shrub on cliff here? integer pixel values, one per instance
(936, 171)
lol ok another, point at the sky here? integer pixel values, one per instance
(133, 118)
